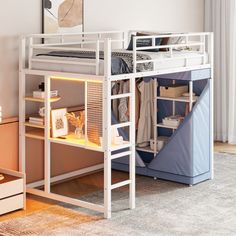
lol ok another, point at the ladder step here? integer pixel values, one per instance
(119, 147)
(119, 155)
(124, 95)
(121, 184)
(121, 125)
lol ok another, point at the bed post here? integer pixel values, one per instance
(211, 53)
(22, 58)
(107, 127)
(132, 162)
(47, 145)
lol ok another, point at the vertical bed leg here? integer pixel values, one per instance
(107, 185)
(22, 78)
(211, 53)
(47, 151)
(22, 152)
(107, 146)
(132, 164)
(107, 127)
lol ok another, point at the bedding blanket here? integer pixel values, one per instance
(121, 62)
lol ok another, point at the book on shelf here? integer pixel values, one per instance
(41, 94)
(36, 123)
(36, 120)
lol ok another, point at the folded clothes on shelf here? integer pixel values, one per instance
(173, 121)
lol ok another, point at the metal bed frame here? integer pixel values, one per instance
(95, 41)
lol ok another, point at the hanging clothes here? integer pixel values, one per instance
(123, 104)
(146, 121)
(137, 105)
(115, 102)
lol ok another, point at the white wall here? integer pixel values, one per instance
(16, 18)
(24, 16)
(164, 15)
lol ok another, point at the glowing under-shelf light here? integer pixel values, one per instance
(75, 79)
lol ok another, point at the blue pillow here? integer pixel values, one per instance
(144, 43)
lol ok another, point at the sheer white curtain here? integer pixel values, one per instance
(220, 17)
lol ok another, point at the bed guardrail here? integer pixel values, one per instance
(202, 42)
(98, 41)
(31, 45)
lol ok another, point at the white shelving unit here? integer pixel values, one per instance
(191, 100)
(42, 132)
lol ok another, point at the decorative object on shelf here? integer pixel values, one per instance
(42, 87)
(42, 111)
(1, 177)
(59, 122)
(41, 94)
(78, 122)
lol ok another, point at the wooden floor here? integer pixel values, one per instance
(78, 187)
(86, 184)
(225, 148)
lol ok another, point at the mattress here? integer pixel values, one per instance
(163, 61)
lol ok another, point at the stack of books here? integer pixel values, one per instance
(36, 120)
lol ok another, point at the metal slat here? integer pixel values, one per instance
(124, 95)
(122, 125)
(120, 184)
(119, 155)
(120, 147)
(94, 111)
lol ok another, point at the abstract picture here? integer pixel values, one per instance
(59, 122)
(62, 16)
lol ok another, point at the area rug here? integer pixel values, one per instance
(163, 208)
(44, 222)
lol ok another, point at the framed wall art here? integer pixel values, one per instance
(62, 16)
(59, 122)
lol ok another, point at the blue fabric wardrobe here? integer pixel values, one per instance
(187, 156)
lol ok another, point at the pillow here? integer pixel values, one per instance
(175, 40)
(144, 43)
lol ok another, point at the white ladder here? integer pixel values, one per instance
(127, 149)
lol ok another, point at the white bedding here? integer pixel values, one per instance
(164, 61)
(161, 63)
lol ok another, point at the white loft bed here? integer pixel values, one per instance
(96, 74)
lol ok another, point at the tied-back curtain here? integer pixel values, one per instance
(220, 18)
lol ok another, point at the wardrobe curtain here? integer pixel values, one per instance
(220, 18)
